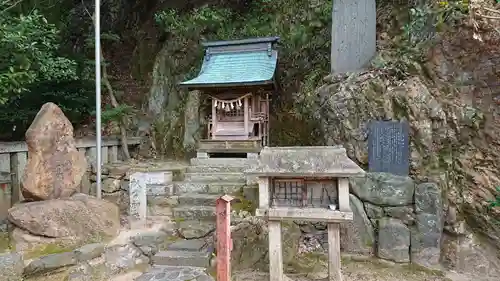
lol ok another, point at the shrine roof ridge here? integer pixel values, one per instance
(306, 161)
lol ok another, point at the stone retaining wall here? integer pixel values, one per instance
(394, 219)
(116, 184)
(402, 220)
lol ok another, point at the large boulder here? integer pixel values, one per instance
(78, 218)
(55, 167)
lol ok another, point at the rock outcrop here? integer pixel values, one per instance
(55, 167)
(450, 141)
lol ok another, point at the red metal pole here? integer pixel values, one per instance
(224, 241)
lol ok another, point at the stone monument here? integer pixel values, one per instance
(353, 34)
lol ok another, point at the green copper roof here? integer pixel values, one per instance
(227, 68)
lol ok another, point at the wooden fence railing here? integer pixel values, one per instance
(13, 157)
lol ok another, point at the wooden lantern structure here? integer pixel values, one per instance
(306, 184)
(239, 77)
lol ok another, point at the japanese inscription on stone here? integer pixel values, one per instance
(388, 147)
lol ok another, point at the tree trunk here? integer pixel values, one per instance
(353, 34)
(114, 103)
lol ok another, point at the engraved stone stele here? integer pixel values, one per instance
(353, 34)
(140, 182)
(388, 147)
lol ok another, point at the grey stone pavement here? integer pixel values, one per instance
(175, 273)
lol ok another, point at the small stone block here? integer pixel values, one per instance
(202, 155)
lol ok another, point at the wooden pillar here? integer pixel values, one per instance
(214, 119)
(245, 110)
(224, 242)
(275, 252)
(268, 104)
(343, 191)
(334, 265)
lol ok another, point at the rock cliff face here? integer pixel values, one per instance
(453, 121)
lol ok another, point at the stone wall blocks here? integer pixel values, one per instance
(384, 189)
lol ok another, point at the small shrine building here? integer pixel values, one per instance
(239, 77)
(304, 184)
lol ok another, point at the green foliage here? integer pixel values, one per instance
(75, 98)
(424, 19)
(304, 30)
(111, 114)
(405, 54)
(496, 202)
(28, 54)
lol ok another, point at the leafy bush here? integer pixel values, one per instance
(75, 98)
(28, 53)
(33, 72)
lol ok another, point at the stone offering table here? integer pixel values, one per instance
(307, 184)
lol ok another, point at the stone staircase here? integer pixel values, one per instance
(190, 201)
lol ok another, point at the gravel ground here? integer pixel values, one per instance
(358, 271)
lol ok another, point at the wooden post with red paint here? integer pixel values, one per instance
(224, 241)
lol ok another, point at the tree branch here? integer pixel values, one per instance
(11, 6)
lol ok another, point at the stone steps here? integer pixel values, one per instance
(208, 187)
(194, 212)
(215, 177)
(175, 268)
(216, 169)
(198, 199)
(159, 189)
(195, 228)
(182, 258)
(222, 162)
(193, 245)
(175, 273)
